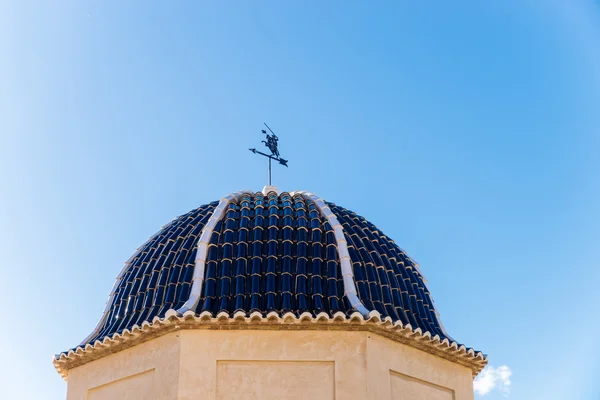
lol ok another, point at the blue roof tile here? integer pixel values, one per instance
(270, 253)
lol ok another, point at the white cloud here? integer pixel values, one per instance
(493, 378)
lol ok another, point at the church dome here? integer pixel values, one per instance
(272, 255)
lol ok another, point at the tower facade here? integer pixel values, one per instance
(270, 295)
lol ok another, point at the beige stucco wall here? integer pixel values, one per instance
(264, 364)
(154, 363)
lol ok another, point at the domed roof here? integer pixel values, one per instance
(270, 253)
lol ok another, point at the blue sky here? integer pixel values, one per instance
(467, 131)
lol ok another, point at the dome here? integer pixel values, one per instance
(270, 254)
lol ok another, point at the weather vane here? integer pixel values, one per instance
(271, 144)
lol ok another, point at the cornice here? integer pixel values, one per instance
(173, 321)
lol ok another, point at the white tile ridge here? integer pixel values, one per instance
(350, 290)
(201, 253)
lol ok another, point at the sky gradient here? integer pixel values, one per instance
(467, 131)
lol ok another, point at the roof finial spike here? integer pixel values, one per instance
(271, 144)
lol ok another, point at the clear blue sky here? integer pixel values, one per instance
(468, 131)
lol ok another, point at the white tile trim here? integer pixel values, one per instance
(342, 248)
(268, 189)
(202, 251)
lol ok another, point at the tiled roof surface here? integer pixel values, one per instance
(269, 253)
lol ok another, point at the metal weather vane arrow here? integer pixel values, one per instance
(271, 144)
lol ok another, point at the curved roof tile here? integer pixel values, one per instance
(270, 253)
